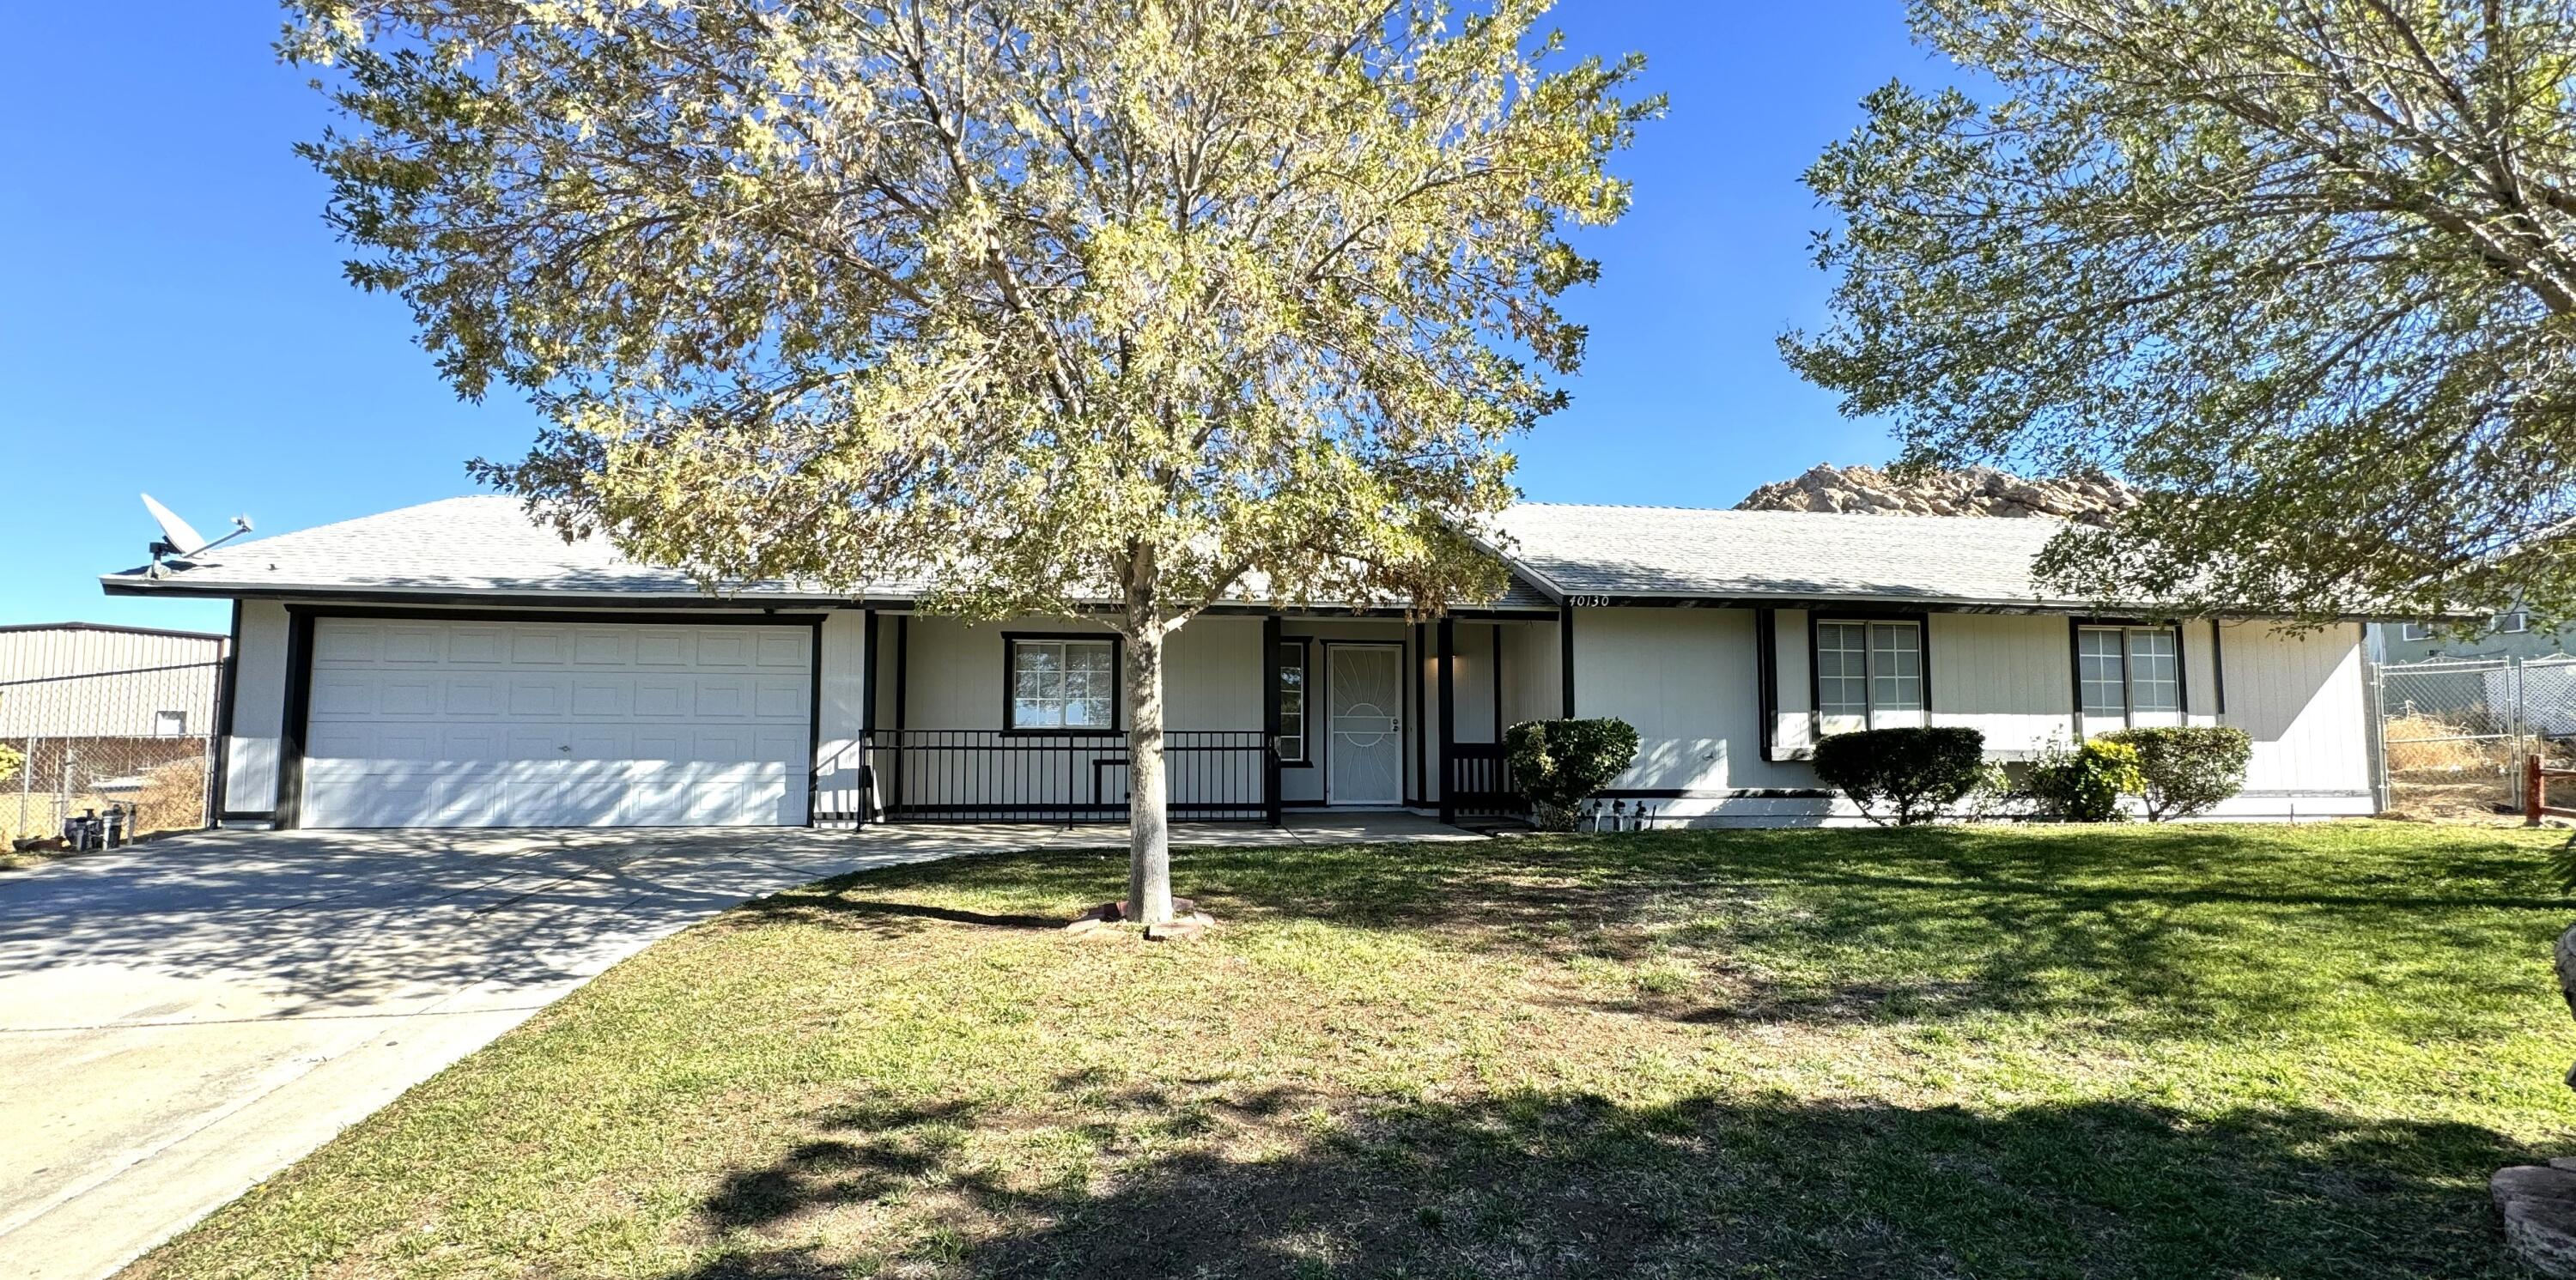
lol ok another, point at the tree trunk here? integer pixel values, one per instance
(1149, 834)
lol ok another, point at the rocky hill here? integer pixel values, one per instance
(1976, 491)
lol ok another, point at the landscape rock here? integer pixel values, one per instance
(2538, 1204)
(1977, 491)
(1187, 928)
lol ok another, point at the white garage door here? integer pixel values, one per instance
(535, 724)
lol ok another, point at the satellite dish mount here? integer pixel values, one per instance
(178, 541)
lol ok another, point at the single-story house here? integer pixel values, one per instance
(455, 664)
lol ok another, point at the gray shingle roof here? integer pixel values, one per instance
(472, 545)
(481, 545)
(1782, 555)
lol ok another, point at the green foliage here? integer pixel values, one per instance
(2294, 269)
(10, 762)
(1916, 773)
(1560, 763)
(2084, 784)
(2183, 771)
(1044, 302)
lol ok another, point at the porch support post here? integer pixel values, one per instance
(867, 715)
(1270, 718)
(1565, 660)
(902, 683)
(1448, 629)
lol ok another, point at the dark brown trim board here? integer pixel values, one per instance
(1448, 632)
(1766, 674)
(227, 690)
(1415, 656)
(1565, 658)
(2218, 669)
(292, 721)
(814, 724)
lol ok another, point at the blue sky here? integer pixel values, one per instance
(173, 320)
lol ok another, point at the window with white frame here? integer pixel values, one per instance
(1869, 675)
(2512, 624)
(2126, 673)
(2414, 631)
(1063, 683)
(1292, 702)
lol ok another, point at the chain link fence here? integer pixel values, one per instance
(141, 739)
(2453, 732)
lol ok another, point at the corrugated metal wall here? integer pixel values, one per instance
(169, 692)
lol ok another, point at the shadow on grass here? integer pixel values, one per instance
(885, 917)
(1578, 1186)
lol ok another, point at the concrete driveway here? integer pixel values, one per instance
(181, 1019)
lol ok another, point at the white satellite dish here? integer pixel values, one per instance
(177, 539)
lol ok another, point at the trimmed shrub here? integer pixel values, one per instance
(1915, 773)
(2184, 771)
(1560, 763)
(2084, 784)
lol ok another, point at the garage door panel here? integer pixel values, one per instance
(555, 724)
(663, 646)
(602, 742)
(780, 698)
(723, 647)
(781, 649)
(538, 697)
(409, 695)
(336, 641)
(591, 794)
(477, 646)
(539, 646)
(341, 741)
(404, 742)
(722, 698)
(343, 693)
(603, 697)
(473, 742)
(474, 696)
(603, 646)
(412, 646)
(664, 696)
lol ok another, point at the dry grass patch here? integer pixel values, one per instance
(2151, 1052)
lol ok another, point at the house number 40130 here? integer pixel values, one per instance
(1588, 602)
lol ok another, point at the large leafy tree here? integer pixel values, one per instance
(1050, 304)
(2305, 269)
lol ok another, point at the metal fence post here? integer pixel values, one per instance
(2376, 742)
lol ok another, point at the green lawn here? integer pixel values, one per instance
(1961, 1052)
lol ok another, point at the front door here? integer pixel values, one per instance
(1364, 752)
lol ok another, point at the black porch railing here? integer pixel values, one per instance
(1480, 782)
(988, 775)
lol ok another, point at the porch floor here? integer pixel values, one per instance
(1312, 827)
